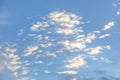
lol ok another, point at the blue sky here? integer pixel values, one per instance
(59, 40)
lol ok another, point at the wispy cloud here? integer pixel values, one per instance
(104, 36)
(109, 25)
(69, 72)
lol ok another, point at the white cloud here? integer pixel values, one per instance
(74, 79)
(75, 62)
(15, 74)
(38, 62)
(14, 63)
(30, 50)
(91, 36)
(69, 72)
(94, 51)
(109, 25)
(24, 78)
(107, 47)
(65, 31)
(68, 31)
(104, 36)
(64, 19)
(118, 12)
(11, 50)
(50, 54)
(47, 71)
(38, 25)
(9, 61)
(74, 45)
(106, 60)
(3, 61)
(25, 71)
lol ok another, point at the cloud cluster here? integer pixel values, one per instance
(61, 34)
(9, 61)
(64, 19)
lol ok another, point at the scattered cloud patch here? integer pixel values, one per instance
(94, 51)
(106, 60)
(65, 31)
(109, 25)
(30, 50)
(25, 71)
(64, 19)
(69, 72)
(38, 25)
(75, 62)
(74, 45)
(104, 36)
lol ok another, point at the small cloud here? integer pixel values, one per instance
(25, 71)
(107, 47)
(106, 60)
(118, 12)
(38, 25)
(69, 72)
(38, 62)
(109, 25)
(90, 37)
(65, 31)
(47, 71)
(104, 36)
(50, 54)
(30, 50)
(75, 62)
(74, 45)
(94, 51)
(74, 79)
(11, 50)
(15, 74)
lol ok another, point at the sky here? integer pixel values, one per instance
(59, 40)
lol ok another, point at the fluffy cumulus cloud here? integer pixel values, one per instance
(109, 25)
